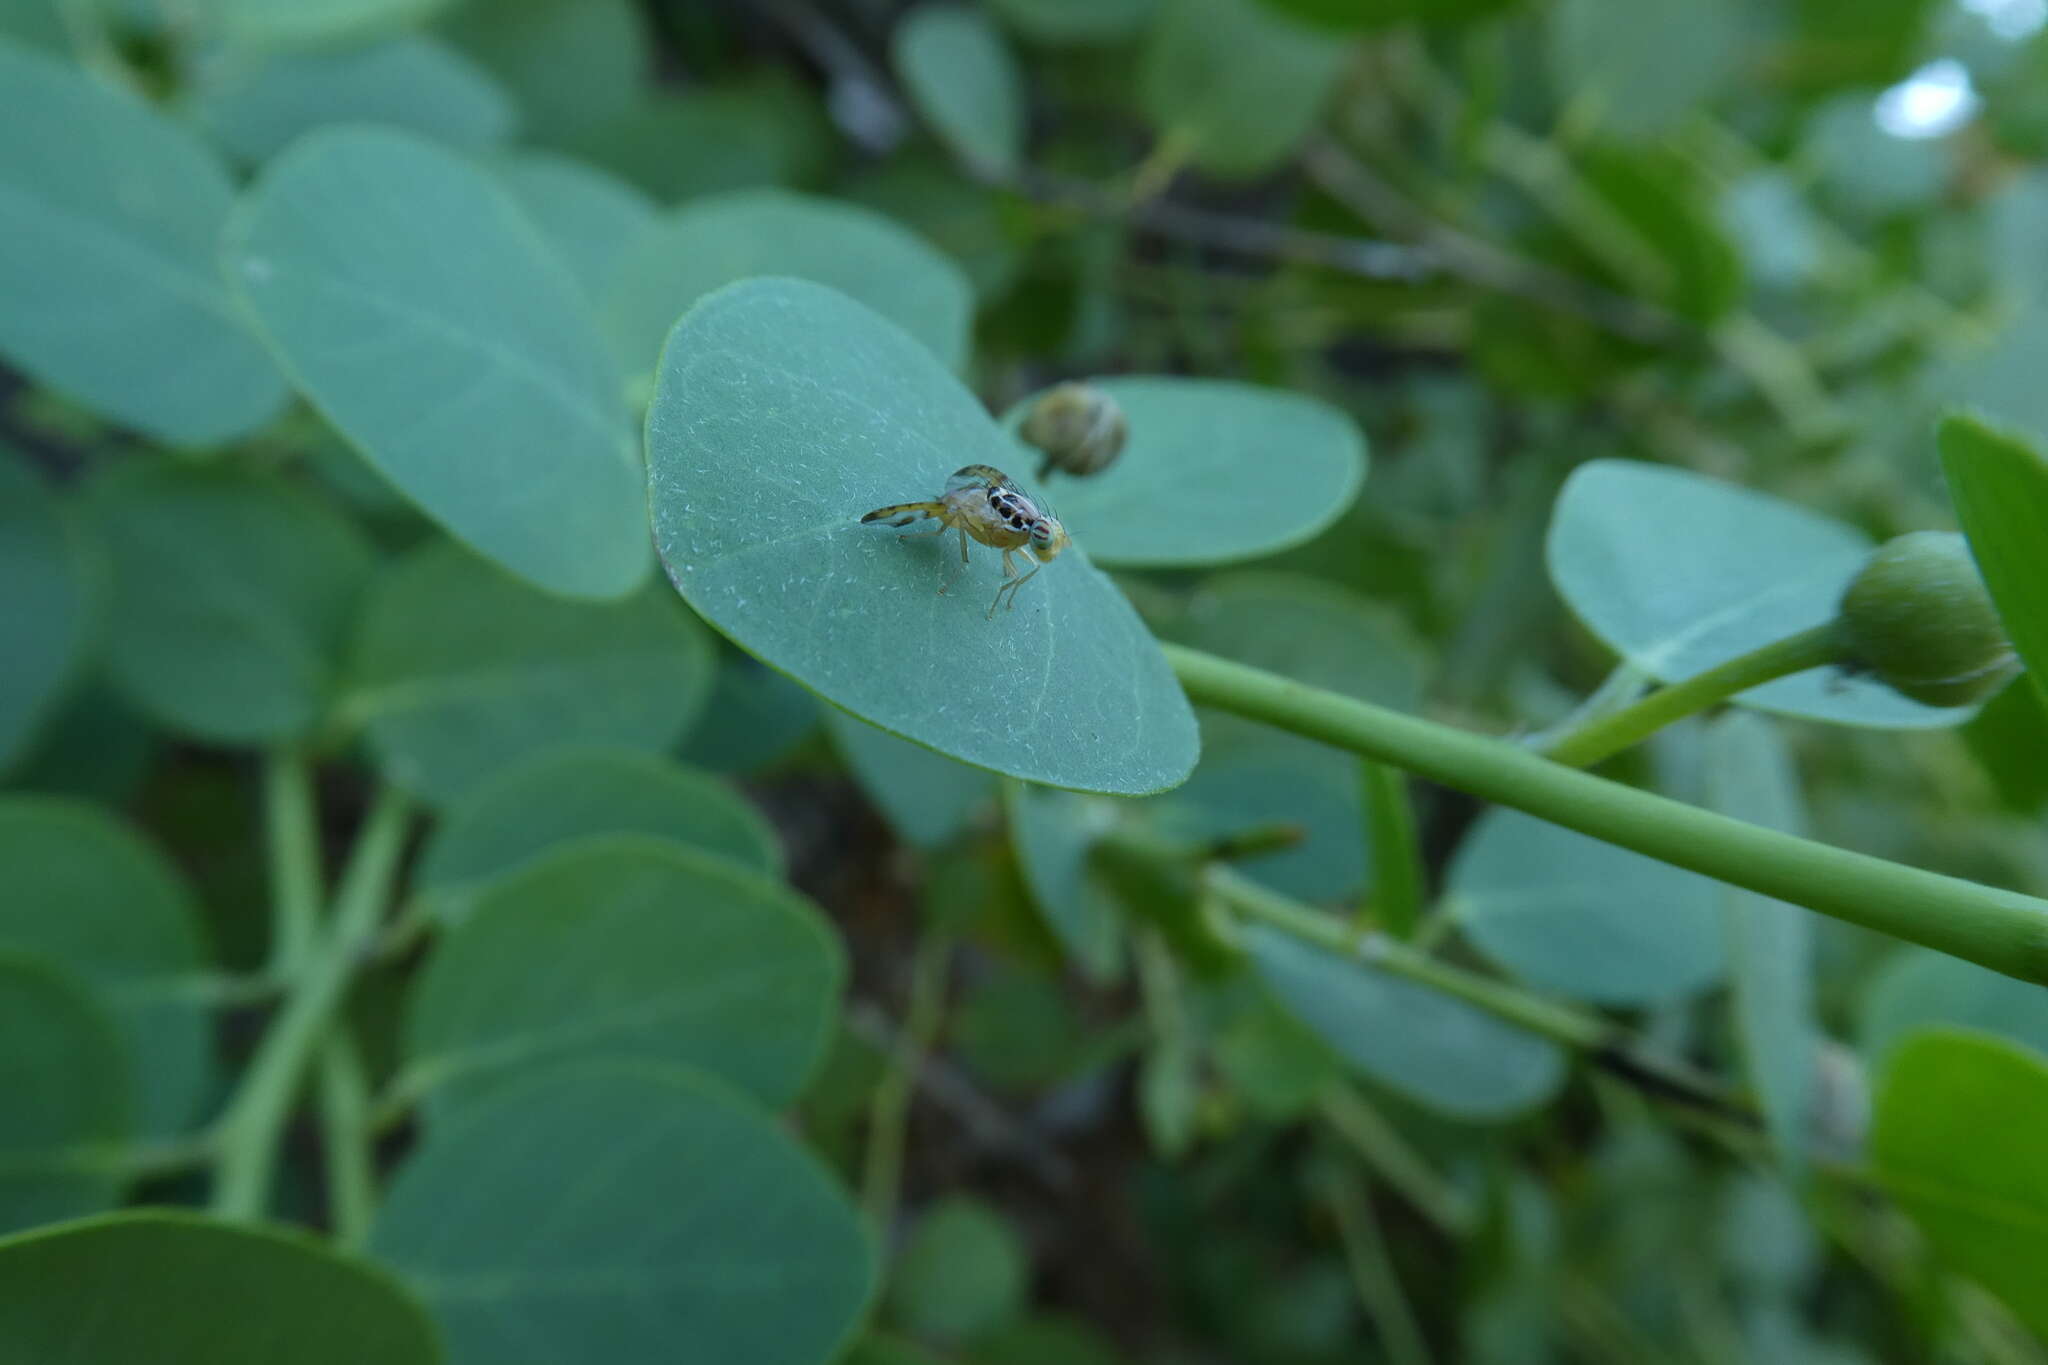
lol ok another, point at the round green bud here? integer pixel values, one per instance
(1918, 617)
(1079, 428)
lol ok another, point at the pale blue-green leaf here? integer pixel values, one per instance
(417, 307)
(1919, 988)
(1214, 471)
(719, 239)
(1643, 65)
(254, 106)
(784, 412)
(1077, 23)
(1246, 785)
(459, 670)
(175, 1288)
(1442, 1053)
(959, 71)
(1678, 572)
(35, 23)
(562, 795)
(88, 894)
(622, 1212)
(52, 591)
(971, 223)
(571, 64)
(626, 945)
(711, 139)
(588, 216)
(1999, 481)
(927, 797)
(1234, 82)
(1582, 917)
(232, 597)
(67, 1074)
(1053, 833)
(1957, 1142)
(309, 23)
(111, 213)
(1749, 775)
(1862, 167)
(755, 717)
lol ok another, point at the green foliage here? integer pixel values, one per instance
(1234, 82)
(2000, 482)
(57, 1155)
(954, 63)
(49, 569)
(961, 1274)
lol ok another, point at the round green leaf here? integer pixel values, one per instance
(963, 1273)
(2000, 484)
(717, 240)
(65, 1066)
(1749, 775)
(1053, 833)
(1235, 81)
(1919, 988)
(1214, 471)
(412, 82)
(310, 23)
(1648, 62)
(459, 670)
(1957, 1142)
(232, 596)
(627, 945)
(563, 795)
(175, 1288)
(927, 797)
(51, 594)
(961, 75)
(89, 895)
(1235, 789)
(1678, 573)
(111, 212)
(570, 63)
(414, 304)
(1440, 1052)
(784, 412)
(1582, 917)
(755, 717)
(623, 1212)
(1075, 22)
(588, 217)
(969, 222)
(712, 139)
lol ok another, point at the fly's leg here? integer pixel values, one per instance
(938, 530)
(963, 563)
(1013, 581)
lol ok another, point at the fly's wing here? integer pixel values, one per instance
(980, 476)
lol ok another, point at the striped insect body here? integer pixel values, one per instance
(983, 503)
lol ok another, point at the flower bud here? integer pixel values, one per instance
(1918, 617)
(1079, 428)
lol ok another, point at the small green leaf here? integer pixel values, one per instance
(962, 1274)
(1957, 1143)
(64, 1058)
(756, 716)
(960, 73)
(310, 23)
(971, 223)
(1999, 481)
(744, 135)
(1918, 988)
(175, 1288)
(2009, 738)
(111, 212)
(1214, 472)
(256, 106)
(459, 671)
(1646, 63)
(717, 240)
(52, 592)
(1678, 573)
(587, 216)
(92, 897)
(1442, 1053)
(1582, 917)
(232, 596)
(927, 797)
(562, 795)
(1379, 14)
(1235, 82)
(783, 413)
(419, 310)
(626, 945)
(623, 1212)
(1749, 775)
(1078, 23)
(571, 64)
(1053, 832)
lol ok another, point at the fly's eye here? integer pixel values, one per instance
(1041, 532)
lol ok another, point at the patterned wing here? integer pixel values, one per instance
(981, 476)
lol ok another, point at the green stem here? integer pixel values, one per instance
(1396, 903)
(1382, 1147)
(292, 832)
(345, 1140)
(1372, 1272)
(1605, 736)
(2002, 930)
(248, 1131)
(889, 1110)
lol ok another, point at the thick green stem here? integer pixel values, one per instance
(1607, 735)
(2002, 930)
(889, 1110)
(292, 833)
(248, 1131)
(1396, 903)
(345, 1139)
